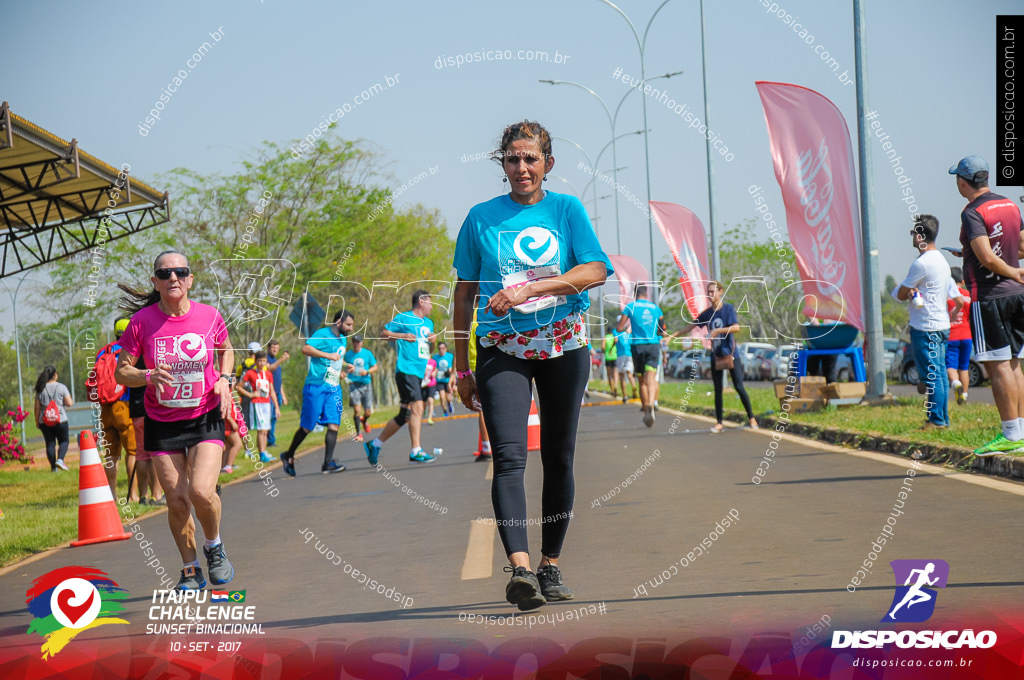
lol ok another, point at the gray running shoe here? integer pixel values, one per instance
(551, 586)
(220, 569)
(649, 417)
(191, 579)
(523, 589)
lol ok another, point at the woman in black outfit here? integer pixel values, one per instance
(721, 321)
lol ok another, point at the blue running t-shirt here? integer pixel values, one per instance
(503, 243)
(412, 356)
(444, 365)
(363, 359)
(324, 371)
(643, 315)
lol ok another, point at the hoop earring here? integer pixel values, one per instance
(545, 178)
(504, 179)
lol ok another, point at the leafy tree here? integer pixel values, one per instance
(895, 315)
(305, 219)
(767, 302)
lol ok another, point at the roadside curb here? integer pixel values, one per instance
(952, 457)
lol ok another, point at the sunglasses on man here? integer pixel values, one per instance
(180, 272)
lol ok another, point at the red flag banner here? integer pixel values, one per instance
(685, 237)
(629, 272)
(813, 160)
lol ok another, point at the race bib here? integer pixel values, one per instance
(520, 279)
(333, 374)
(187, 356)
(424, 348)
(262, 388)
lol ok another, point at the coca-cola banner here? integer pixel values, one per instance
(629, 272)
(685, 237)
(813, 161)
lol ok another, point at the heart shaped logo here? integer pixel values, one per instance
(535, 246)
(190, 346)
(75, 603)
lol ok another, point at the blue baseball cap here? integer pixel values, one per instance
(969, 167)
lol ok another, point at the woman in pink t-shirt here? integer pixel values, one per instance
(188, 358)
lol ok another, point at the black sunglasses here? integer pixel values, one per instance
(180, 272)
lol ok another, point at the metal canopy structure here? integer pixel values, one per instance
(56, 200)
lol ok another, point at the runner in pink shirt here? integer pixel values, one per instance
(188, 358)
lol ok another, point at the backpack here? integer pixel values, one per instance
(103, 388)
(51, 415)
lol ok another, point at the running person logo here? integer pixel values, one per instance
(914, 601)
(69, 601)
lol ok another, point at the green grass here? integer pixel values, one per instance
(972, 425)
(40, 507)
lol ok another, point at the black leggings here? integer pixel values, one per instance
(504, 385)
(718, 378)
(56, 442)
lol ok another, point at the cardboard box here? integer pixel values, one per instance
(780, 389)
(811, 387)
(852, 390)
(806, 405)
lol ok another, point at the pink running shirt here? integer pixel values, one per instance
(186, 343)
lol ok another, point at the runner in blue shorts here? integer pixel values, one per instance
(412, 332)
(322, 394)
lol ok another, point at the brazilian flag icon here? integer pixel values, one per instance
(237, 596)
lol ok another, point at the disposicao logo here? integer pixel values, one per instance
(916, 575)
(70, 600)
(914, 602)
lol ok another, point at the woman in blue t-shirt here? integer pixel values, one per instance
(721, 321)
(530, 255)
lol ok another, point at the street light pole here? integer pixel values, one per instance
(17, 346)
(613, 121)
(716, 265)
(647, 152)
(71, 358)
(872, 294)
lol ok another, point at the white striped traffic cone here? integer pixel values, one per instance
(98, 520)
(533, 428)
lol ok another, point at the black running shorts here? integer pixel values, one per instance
(646, 355)
(997, 328)
(178, 436)
(409, 389)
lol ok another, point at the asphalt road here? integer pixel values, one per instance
(800, 537)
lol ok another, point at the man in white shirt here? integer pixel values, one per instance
(928, 287)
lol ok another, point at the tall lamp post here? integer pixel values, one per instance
(643, 76)
(71, 356)
(17, 345)
(612, 120)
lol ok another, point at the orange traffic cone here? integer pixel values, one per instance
(98, 520)
(533, 428)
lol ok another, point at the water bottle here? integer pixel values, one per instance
(917, 299)
(438, 451)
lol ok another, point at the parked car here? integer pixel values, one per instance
(780, 362)
(687, 364)
(908, 367)
(764, 359)
(705, 365)
(670, 362)
(890, 346)
(751, 366)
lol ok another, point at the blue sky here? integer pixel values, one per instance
(280, 67)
